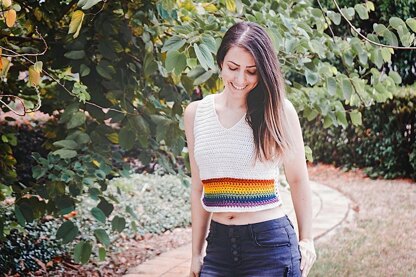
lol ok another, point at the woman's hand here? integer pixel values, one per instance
(196, 265)
(307, 251)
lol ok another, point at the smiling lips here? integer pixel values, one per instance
(237, 87)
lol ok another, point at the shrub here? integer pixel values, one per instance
(28, 249)
(385, 144)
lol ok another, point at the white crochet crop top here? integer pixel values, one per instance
(232, 180)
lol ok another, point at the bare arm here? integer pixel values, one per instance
(200, 217)
(297, 176)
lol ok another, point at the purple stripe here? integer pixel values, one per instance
(239, 204)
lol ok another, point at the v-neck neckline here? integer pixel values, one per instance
(218, 119)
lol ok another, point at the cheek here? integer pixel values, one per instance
(227, 74)
(254, 80)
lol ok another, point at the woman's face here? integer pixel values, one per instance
(239, 72)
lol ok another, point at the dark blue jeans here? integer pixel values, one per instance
(264, 249)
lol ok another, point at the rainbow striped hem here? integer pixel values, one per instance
(232, 194)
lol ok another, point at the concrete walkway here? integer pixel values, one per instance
(330, 209)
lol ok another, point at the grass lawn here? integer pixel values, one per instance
(382, 239)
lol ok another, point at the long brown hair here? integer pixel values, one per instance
(265, 103)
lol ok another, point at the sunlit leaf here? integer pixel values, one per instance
(356, 118)
(10, 16)
(86, 4)
(362, 11)
(6, 3)
(34, 76)
(411, 22)
(230, 5)
(5, 65)
(38, 66)
(76, 23)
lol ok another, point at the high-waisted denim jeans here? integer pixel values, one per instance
(264, 249)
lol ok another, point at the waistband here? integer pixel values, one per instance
(246, 230)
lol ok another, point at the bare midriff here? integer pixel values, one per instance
(241, 218)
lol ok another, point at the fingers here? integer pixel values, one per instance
(302, 262)
(308, 256)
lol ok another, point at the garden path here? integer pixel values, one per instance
(330, 209)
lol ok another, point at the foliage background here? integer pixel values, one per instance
(117, 74)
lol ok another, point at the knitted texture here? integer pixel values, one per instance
(233, 180)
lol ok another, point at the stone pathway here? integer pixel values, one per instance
(330, 209)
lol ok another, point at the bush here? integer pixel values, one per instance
(29, 249)
(385, 144)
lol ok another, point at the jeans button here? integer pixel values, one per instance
(235, 252)
(236, 259)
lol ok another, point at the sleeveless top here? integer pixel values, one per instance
(233, 180)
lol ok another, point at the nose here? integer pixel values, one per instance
(240, 77)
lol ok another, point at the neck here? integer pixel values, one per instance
(232, 101)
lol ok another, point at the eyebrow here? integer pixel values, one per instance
(239, 65)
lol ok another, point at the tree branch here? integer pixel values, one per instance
(20, 39)
(364, 37)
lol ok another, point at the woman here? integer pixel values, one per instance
(237, 139)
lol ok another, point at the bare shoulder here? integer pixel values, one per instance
(290, 109)
(190, 112)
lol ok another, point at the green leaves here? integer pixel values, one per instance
(356, 118)
(102, 236)
(335, 17)
(175, 61)
(82, 252)
(396, 22)
(67, 143)
(126, 138)
(118, 224)
(411, 22)
(77, 119)
(80, 90)
(173, 43)
(210, 43)
(311, 77)
(65, 153)
(204, 56)
(75, 54)
(331, 84)
(98, 214)
(347, 88)
(67, 232)
(362, 11)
